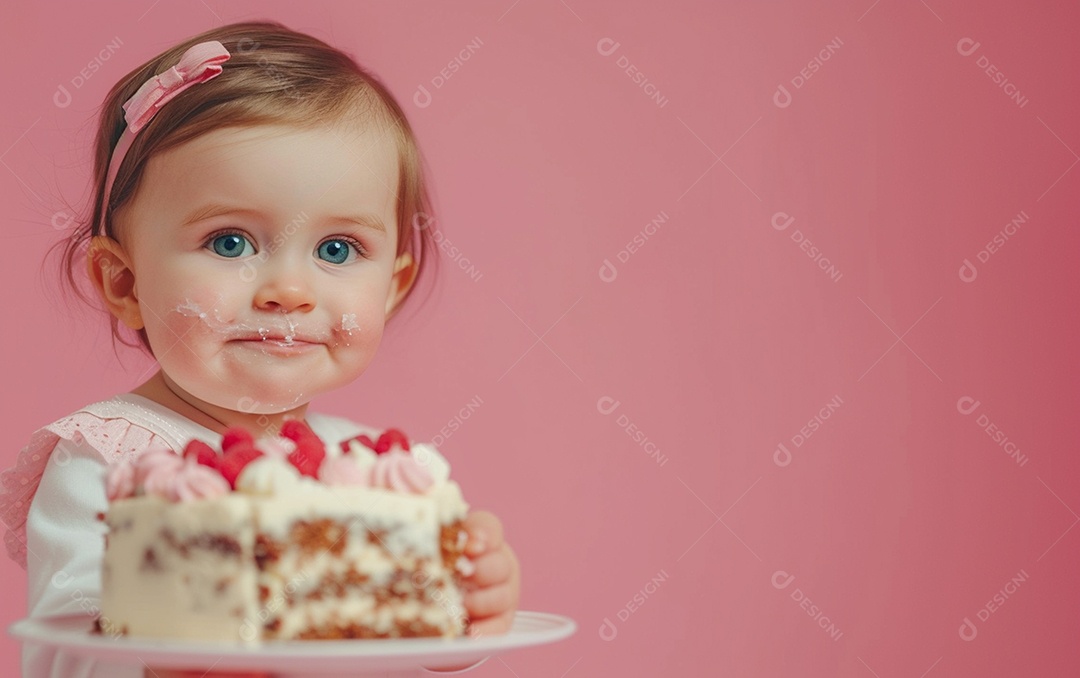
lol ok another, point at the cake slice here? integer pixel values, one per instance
(285, 539)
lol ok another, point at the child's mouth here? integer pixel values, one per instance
(283, 345)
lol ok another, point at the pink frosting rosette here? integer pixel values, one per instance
(155, 469)
(195, 481)
(344, 470)
(398, 470)
(120, 481)
(163, 473)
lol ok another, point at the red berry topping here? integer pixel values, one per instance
(363, 438)
(309, 452)
(308, 456)
(296, 430)
(203, 453)
(233, 462)
(234, 435)
(389, 438)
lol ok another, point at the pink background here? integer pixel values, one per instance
(720, 338)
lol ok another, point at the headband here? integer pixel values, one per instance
(198, 64)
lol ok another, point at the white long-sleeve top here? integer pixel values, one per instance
(50, 501)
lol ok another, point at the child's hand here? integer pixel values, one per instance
(493, 590)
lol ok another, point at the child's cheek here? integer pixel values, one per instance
(356, 329)
(187, 321)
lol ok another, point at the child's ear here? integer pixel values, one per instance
(111, 273)
(405, 270)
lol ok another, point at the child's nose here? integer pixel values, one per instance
(284, 288)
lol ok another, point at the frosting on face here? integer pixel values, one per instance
(281, 295)
(275, 328)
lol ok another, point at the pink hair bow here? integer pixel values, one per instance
(200, 63)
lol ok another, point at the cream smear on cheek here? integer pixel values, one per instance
(282, 329)
(276, 330)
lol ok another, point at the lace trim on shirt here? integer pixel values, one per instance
(106, 427)
(119, 428)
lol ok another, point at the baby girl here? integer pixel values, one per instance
(253, 230)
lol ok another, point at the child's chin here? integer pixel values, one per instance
(260, 396)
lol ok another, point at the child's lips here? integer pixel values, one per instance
(278, 344)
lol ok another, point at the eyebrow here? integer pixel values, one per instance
(213, 210)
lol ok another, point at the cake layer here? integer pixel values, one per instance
(331, 562)
(354, 562)
(179, 570)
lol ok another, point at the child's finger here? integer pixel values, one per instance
(493, 567)
(491, 626)
(490, 601)
(485, 532)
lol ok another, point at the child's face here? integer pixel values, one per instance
(281, 299)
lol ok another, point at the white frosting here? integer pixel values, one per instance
(363, 455)
(271, 475)
(429, 457)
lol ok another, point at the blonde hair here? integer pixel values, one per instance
(275, 75)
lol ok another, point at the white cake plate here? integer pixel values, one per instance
(313, 658)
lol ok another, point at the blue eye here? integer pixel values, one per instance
(232, 245)
(336, 251)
